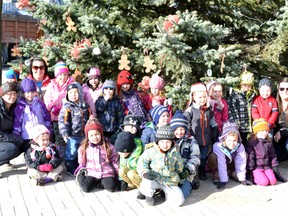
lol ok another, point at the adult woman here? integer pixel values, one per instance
(38, 71)
(9, 143)
(281, 136)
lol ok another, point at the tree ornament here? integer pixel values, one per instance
(209, 72)
(148, 63)
(96, 51)
(70, 24)
(78, 45)
(222, 63)
(124, 61)
(21, 4)
(170, 21)
(40, 33)
(16, 51)
(78, 76)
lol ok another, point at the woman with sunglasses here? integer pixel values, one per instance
(38, 71)
(281, 130)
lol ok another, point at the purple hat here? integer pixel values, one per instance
(28, 85)
(229, 127)
(94, 73)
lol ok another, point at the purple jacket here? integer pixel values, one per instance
(27, 116)
(238, 155)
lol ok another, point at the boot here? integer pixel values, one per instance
(196, 182)
(81, 175)
(71, 166)
(215, 177)
(140, 196)
(278, 176)
(202, 173)
(150, 201)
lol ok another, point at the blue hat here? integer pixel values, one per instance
(28, 85)
(12, 74)
(265, 81)
(109, 84)
(179, 120)
(157, 111)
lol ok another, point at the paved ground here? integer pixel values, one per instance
(19, 196)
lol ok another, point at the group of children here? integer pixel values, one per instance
(123, 139)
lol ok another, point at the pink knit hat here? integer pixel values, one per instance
(198, 87)
(38, 130)
(156, 82)
(94, 73)
(60, 67)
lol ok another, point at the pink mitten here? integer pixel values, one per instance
(55, 110)
(45, 167)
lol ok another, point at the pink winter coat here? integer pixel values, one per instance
(91, 96)
(96, 164)
(54, 96)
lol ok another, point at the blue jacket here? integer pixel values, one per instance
(149, 133)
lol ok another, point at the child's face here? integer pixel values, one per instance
(125, 87)
(265, 91)
(73, 95)
(124, 154)
(164, 119)
(231, 141)
(43, 140)
(130, 128)
(245, 87)
(262, 134)
(94, 81)
(200, 98)
(165, 145)
(30, 95)
(62, 78)
(94, 136)
(216, 92)
(179, 132)
(155, 91)
(108, 92)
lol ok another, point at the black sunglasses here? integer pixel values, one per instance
(282, 89)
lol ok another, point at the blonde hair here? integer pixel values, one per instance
(232, 133)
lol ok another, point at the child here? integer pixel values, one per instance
(98, 160)
(203, 124)
(12, 75)
(109, 109)
(30, 111)
(72, 119)
(130, 98)
(218, 104)
(129, 150)
(262, 159)
(239, 105)
(144, 92)
(42, 158)
(160, 116)
(265, 105)
(189, 150)
(93, 88)
(160, 166)
(228, 158)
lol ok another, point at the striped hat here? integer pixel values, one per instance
(60, 67)
(157, 111)
(179, 120)
(164, 133)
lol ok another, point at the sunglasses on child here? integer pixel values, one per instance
(282, 89)
(38, 67)
(109, 88)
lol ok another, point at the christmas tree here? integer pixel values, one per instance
(184, 41)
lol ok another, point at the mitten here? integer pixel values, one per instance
(221, 185)
(149, 176)
(55, 110)
(124, 185)
(45, 167)
(220, 105)
(78, 168)
(184, 173)
(246, 183)
(278, 176)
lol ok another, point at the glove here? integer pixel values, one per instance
(149, 176)
(278, 176)
(55, 110)
(78, 168)
(221, 185)
(123, 185)
(246, 183)
(45, 167)
(184, 173)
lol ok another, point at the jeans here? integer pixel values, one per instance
(72, 146)
(186, 188)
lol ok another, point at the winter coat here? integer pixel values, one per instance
(203, 125)
(220, 115)
(190, 153)
(261, 155)
(165, 166)
(27, 116)
(95, 162)
(40, 158)
(265, 108)
(224, 155)
(44, 86)
(239, 109)
(90, 96)
(55, 95)
(132, 161)
(6, 124)
(149, 133)
(109, 113)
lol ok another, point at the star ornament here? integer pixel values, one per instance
(70, 24)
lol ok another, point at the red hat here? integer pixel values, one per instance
(124, 77)
(93, 124)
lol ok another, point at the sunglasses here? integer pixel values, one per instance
(38, 67)
(109, 88)
(282, 89)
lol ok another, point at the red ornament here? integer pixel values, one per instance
(169, 22)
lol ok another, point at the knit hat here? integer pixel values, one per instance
(8, 87)
(229, 127)
(124, 77)
(164, 133)
(144, 84)
(12, 74)
(198, 87)
(28, 85)
(109, 84)
(60, 67)
(94, 73)
(246, 78)
(71, 86)
(179, 120)
(156, 82)
(93, 124)
(265, 81)
(38, 130)
(132, 120)
(124, 142)
(259, 125)
(210, 84)
(157, 111)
